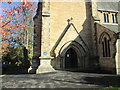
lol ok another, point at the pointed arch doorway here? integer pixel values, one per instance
(71, 60)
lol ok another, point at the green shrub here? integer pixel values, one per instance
(16, 56)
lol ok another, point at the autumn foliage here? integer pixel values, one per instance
(14, 20)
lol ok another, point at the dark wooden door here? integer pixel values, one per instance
(71, 59)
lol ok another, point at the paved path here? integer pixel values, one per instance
(61, 79)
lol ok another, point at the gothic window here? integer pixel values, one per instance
(105, 43)
(103, 49)
(114, 18)
(106, 18)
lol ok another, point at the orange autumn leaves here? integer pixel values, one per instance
(11, 1)
(12, 21)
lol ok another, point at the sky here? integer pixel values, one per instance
(29, 0)
(16, 1)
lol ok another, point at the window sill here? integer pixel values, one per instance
(110, 23)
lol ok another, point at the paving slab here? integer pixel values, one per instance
(61, 79)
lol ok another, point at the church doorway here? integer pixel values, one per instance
(71, 60)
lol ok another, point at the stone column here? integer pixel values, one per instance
(45, 58)
(94, 58)
(37, 39)
(118, 57)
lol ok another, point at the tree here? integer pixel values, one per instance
(17, 26)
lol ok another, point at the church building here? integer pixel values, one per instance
(76, 36)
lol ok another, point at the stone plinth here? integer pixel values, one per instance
(45, 65)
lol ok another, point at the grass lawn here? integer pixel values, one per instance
(110, 88)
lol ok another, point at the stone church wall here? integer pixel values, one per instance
(106, 63)
(83, 35)
(60, 12)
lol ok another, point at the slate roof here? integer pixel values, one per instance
(112, 27)
(107, 6)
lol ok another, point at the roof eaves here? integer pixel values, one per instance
(108, 10)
